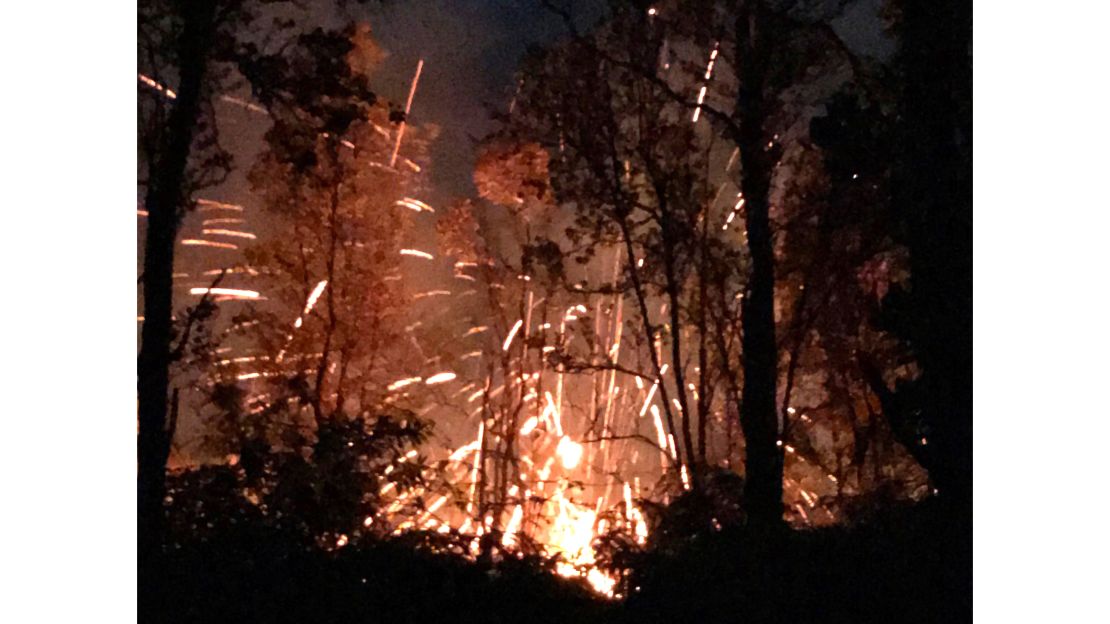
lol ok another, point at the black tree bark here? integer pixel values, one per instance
(933, 200)
(763, 458)
(165, 204)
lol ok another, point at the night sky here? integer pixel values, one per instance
(471, 49)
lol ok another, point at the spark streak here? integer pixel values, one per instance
(154, 84)
(222, 232)
(200, 242)
(512, 334)
(439, 378)
(529, 425)
(431, 293)
(310, 302)
(401, 383)
(414, 204)
(209, 204)
(417, 253)
(230, 292)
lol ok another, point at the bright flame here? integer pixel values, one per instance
(571, 535)
(569, 452)
(513, 526)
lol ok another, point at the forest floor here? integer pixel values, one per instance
(906, 565)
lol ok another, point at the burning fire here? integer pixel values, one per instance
(544, 502)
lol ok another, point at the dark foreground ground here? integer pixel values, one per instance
(906, 565)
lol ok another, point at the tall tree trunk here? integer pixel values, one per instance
(319, 399)
(164, 203)
(933, 197)
(758, 417)
(674, 301)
